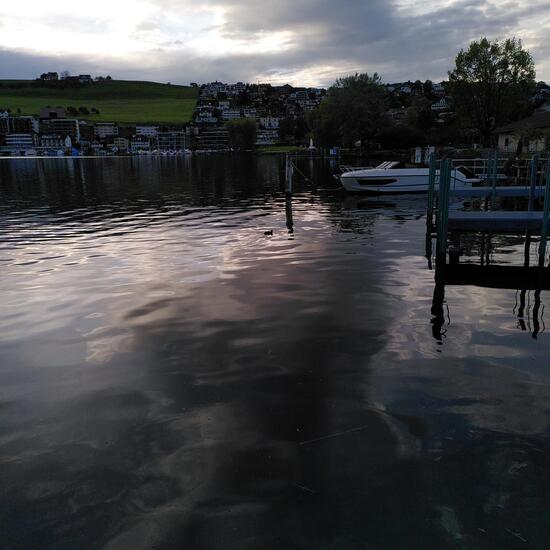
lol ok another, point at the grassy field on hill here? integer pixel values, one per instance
(117, 100)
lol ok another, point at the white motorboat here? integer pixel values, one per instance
(390, 179)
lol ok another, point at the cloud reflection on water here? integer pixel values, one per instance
(192, 381)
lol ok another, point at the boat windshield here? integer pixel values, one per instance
(466, 172)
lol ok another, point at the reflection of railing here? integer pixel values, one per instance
(528, 222)
(536, 314)
(525, 280)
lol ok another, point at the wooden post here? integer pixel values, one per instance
(288, 214)
(431, 191)
(443, 206)
(533, 182)
(289, 171)
(494, 181)
(544, 230)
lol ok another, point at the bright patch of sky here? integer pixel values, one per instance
(295, 41)
(123, 28)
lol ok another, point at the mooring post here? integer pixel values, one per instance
(544, 230)
(530, 206)
(533, 182)
(288, 175)
(443, 206)
(431, 191)
(288, 215)
(494, 180)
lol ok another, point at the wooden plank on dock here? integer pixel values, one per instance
(498, 276)
(496, 222)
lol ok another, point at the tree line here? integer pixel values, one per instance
(491, 84)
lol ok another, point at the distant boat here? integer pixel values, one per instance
(389, 178)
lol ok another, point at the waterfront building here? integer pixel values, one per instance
(20, 125)
(104, 130)
(212, 138)
(171, 140)
(18, 144)
(140, 143)
(50, 142)
(62, 126)
(147, 131)
(266, 136)
(121, 143)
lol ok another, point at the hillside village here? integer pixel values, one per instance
(281, 114)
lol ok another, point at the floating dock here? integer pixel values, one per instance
(528, 222)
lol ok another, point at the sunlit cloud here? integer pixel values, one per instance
(305, 41)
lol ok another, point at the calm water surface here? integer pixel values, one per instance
(171, 376)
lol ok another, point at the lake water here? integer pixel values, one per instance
(189, 361)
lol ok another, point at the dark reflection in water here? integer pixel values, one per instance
(189, 360)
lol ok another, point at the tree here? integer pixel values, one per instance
(242, 133)
(428, 88)
(83, 110)
(417, 87)
(354, 107)
(491, 83)
(401, 137)
(293, 129)
(286, 129)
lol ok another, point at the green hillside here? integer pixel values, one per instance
(120, 101)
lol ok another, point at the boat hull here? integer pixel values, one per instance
(408, 185)
(397, 181)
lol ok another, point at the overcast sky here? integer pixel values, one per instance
(309, 42)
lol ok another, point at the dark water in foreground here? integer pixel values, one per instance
(172, 377)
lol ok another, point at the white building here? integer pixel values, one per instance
(18, 143)
(172, 141)
(147, 131)
(440, 105)
(438, 88)
(266, 136)
(140, 143)
(52, 142)
(269, 122)
(249, 112)
(534, 132)
(104, 130)
(205, 117)
(231, 114)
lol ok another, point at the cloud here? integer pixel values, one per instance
(306, 41)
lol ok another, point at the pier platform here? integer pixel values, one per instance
(496, 222)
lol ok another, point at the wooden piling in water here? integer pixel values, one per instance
(544, 230)
(443, 206)
(431, 193)
(289, 172)
(533, 182)
(494, 175)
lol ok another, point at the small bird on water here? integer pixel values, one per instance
(270, 232)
